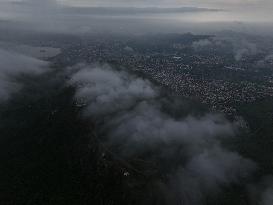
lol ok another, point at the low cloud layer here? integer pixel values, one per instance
(267, 196)
(240, 46)
(131, 17)
(14, 65)
(107, 91)
(135, 121)
(212, 3)
(261, 193)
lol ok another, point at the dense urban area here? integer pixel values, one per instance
(207, 72)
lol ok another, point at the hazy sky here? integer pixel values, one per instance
(171, 3)
(247, 11)
(258, 4)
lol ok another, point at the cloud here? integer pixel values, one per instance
(206, 174)
(13, 65)
(267, 197)
(52, 16)
(107, 91)
(214, 3)
(134, 119)
(201, 44)
(119, 11)
(238, 44)
(148, 124)
(132, 17)
(31, 11)
(261, 193)
(244, 48)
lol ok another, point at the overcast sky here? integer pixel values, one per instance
(170, 3)
(258, 4)
(235, 10)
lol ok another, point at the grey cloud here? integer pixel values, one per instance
(267, 197)
(107, 91)
(201, 44)
(135, 10)
(135, 17)
(49, 16)
(214, 3)
(269, 57)
(13, 65)
(206, 174)
(219, 167)
(241, 46)
(132, 118)
(261, 193)
(244, 48)
(147, 123)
